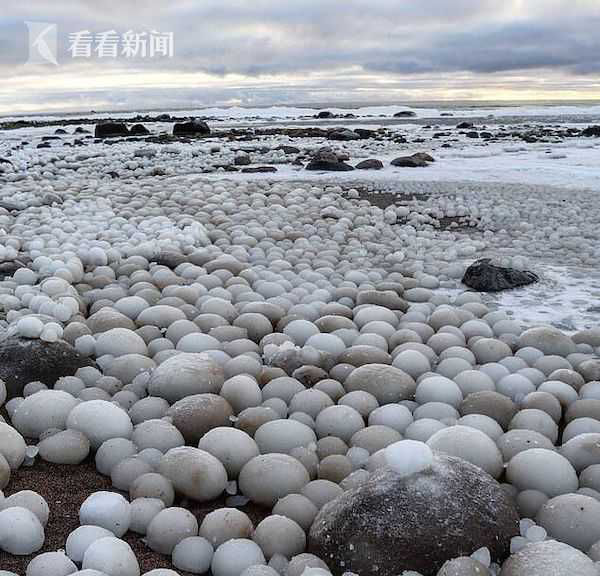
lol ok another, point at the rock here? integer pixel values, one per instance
(390, 523)
(485, 277)
(23, 360)
(417, 160)
(139, 130)
(405, 114)
(324, 114)
(591, 131)
(326, 159)
(370, 164)
(242, 160)
(191, 128)
(343, 134)
(288, 149)
(464, 125)
(259, 169)
(111, 130)
(549, 557)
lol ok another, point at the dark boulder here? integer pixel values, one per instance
(591, 131)
(326, 159)
(486, 277)
(289, 149)
(139, 130)
(60, 131)
(417, 160)
(23, 361)
(472, 134)
(370, 164)
(81, 130)
(111, 130)
(405, 114)
(259, 169)
(344, 134)
(464, 125)
(392, 524)
(242, 160)
(192, 128)
(365, 133)
(325, 114)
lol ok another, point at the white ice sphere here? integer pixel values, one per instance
(543, 470)
(490, 350)
(169, 527)
(12, 446)
(232, 557)
(408, 457)
(297, 507)
(471, 381)
(279, 535)
(51, 564)
(21, 533)
(120, 341)
(438, 389)
(127, 471)
(300, 331)
(108, 510)
(193, 554)
(143, 511)
(268, 477)
(283, 436)
(3, 393)
(43, 410)
(158, 434)
(194, 473)
(100, 420)
(30, 327)
(310, 401)
(515, 386)
(412, 362)
(329, 343)
(232, 447)
(340, 421)
(573, 519)
(242, 391)
(184, 375)
(111, 452)
(112, 556)
(471, 445)
(549, 340)
(80, 539)
(394, 416)
(225, 524)
(30, 500)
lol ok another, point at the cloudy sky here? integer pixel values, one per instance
(262, 52)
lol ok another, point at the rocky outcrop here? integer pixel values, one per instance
(391, 524)
(486, 277)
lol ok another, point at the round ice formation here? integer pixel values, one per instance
(194, 473)
(268, 477)
(232, 557)
(193, 554)
(471, 445)
(80, 539)
(111, 556)
(169, 527)
(100, 420)
(12, 446)
(42, 411)
(279, 535)
(108, 510)
(282, 436)
(543, 470)
(232, 447)
(408, 457)
(184, 375)
(51, 564)
(21, 533)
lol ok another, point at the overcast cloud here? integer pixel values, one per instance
(267, 51)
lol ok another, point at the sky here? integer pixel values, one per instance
(272, 52)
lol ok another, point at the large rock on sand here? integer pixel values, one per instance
(390, 523)
(486, 277)
(23, 360)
